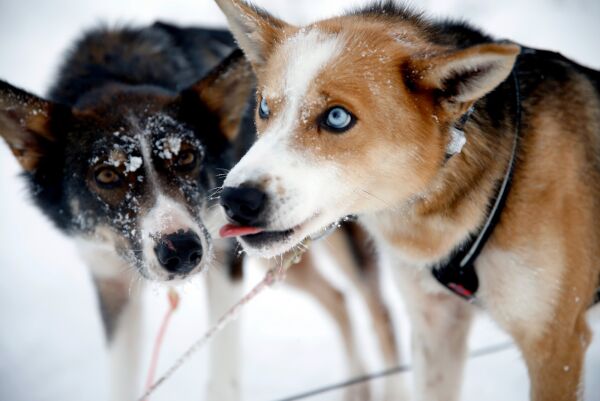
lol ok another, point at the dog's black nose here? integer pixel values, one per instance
(244, 205)
(180, 252)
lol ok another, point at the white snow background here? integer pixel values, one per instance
(51, 345)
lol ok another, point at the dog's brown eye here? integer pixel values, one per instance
(108, 178)
(187, 160)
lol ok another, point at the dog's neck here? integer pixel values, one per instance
(427, 228)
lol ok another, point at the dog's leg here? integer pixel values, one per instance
(122, 315)
(305, 277)
(544, 309)
(224, 288)
(395, 389)
(440, 326)
(354, 254)
(555, 360)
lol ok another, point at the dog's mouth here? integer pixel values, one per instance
(257, 237)
(263, 238)
(266, 238)
(260, 238)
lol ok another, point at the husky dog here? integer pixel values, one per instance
(466, 157)
(126, 156)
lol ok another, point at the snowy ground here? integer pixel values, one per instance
(51, 346)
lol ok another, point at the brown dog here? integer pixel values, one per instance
(444, 142)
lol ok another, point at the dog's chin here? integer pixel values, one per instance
(269, 244)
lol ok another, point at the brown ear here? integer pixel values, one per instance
(462, 77)
(226, 91)
(255, 30)
(25, 124)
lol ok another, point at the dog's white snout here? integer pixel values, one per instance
(173, 244)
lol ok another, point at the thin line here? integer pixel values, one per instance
(494, 349)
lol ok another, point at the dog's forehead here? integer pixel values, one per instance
(318, 63)
(159, 132)
(297, 62)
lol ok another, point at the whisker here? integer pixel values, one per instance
(387, 204)
(216, 189)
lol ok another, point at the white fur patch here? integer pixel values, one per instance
(517, 293)
(307, 53)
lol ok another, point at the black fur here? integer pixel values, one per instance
(446, 32)
(161, 55)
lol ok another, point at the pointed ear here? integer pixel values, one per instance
(25, 124)
(226, 91)
(255, 30)
(460, 78)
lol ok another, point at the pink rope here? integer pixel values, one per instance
(173, 304)
(273, 276)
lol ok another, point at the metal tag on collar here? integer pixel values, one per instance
(458, 139)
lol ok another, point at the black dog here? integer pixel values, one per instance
(136, 133)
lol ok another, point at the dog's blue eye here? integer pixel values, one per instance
(338, 119)
(263, 110)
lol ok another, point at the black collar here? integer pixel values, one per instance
(458, 274)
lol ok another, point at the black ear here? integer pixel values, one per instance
(226, 90)
(25, 124)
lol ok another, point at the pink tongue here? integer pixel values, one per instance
(230, 231)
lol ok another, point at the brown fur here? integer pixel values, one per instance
(408, 81)
(30, 116)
